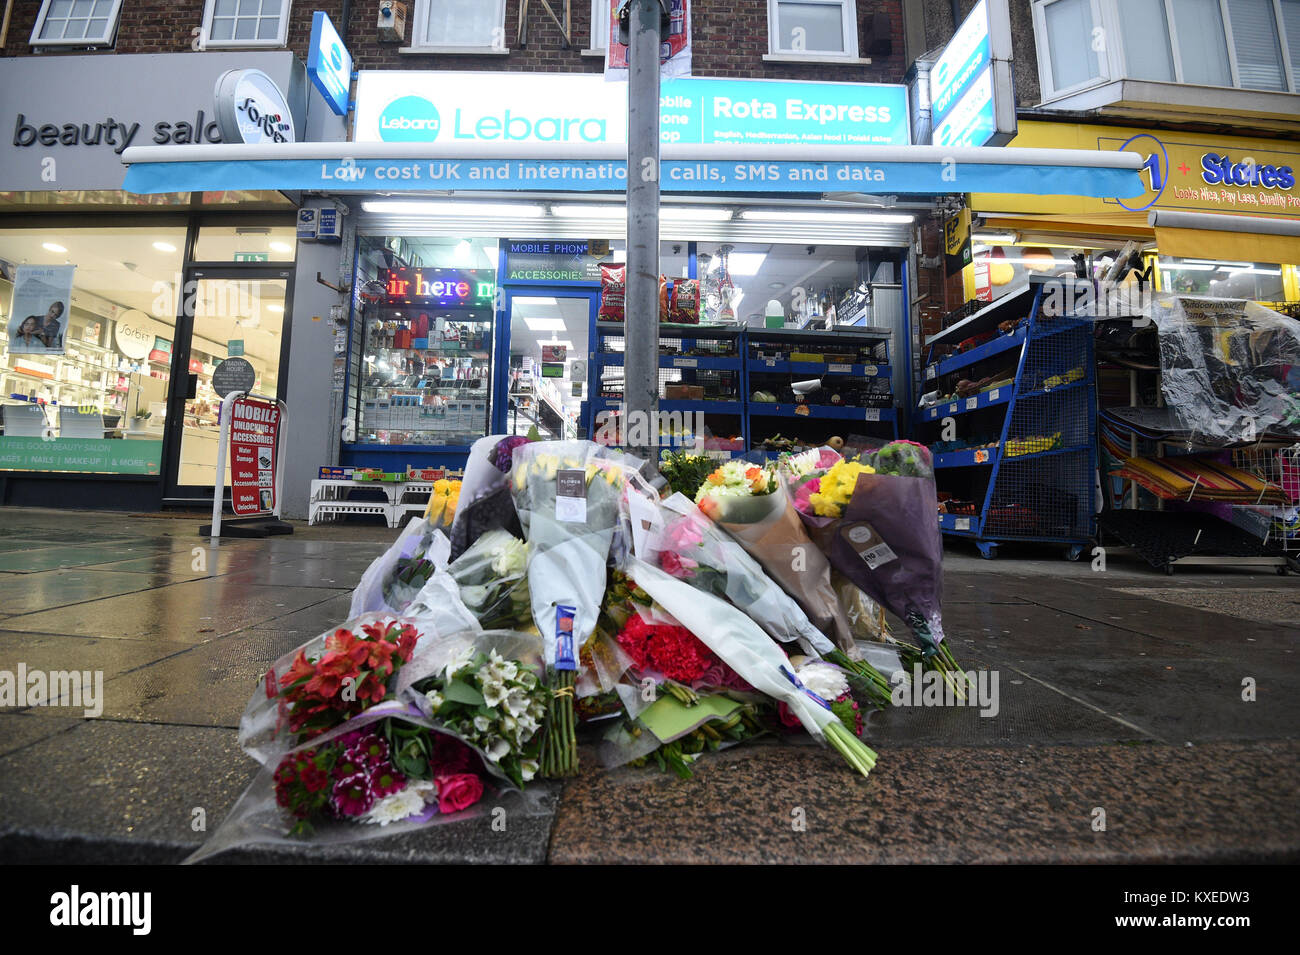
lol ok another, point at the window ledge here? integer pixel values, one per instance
(816, 58)
(453, 50)
(592, 53)
(242, 45)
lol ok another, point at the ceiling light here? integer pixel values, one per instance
(275, 308)
(827, 215)
(281, 247)
(741, 263)
(164, 247)
(442, 207)
(546, 324)
(994, 238)
(53, 247)
(589, 212)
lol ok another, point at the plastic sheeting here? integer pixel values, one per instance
(1230, 369)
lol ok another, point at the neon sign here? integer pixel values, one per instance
(466, 288)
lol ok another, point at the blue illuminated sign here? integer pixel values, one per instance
(329, 64)
(971, 121)
(958, 67)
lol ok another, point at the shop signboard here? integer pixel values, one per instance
(552, 353)
(252, 109)
(329, 64)
(451, 288)
(233, 374)
(39, 309)
(409, 106)
(254, 436)
(553, 260)
(972, 97)
(68, 119)
(81, 455)
(1188, 171)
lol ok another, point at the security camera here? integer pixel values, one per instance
(677, 249)
(810, 249)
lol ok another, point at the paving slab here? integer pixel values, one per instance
(25, 593)
(76, 555)
(21, 729)
(306, 572)
(1185, 700)
(127, 794)
(188, 612)
(112, 657)
(314, 620)
(191, 564)
(1269, 604)
(228, 669)
(950, 804)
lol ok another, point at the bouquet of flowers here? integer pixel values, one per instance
(750, 503)
(443, 502)
(877, 529)
(690, 547)
(685, 471)
(492, 581)
(395, 578)
(567, 494)
(363, 731)
(488, 503)
(739, 642)
(494, 703)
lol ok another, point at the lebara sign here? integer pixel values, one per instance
(583, 108)
(251, 109)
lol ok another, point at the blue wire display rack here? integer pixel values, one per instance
(1021, 449)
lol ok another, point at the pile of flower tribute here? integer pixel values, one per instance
(571, 602)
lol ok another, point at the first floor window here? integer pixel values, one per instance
(814, 27)
(246, 22)
(76, 23)
(457, 23)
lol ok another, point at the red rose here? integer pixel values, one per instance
(458, 791)
(787, 716)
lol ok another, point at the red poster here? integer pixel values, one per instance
(254, 431)
(674, 50)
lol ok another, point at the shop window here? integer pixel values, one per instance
(245, 243)
(1248, 44)
(812, 28)
(245, 22)
(89, 317)
(76, 23)
(600, 14)
(476, 26)
(1256, 281)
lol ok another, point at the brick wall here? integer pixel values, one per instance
(730, 39)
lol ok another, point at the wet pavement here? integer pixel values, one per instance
(1120, 698)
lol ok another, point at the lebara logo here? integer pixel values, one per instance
(336, 56)
(409, 119)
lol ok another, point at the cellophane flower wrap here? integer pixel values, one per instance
(485, 502)
(878, 530)
(395, 578)
(687, 545)
(567, 494)
(750, 502)
(742, 645)
(444, 499)
(493, 582)
(339, 766)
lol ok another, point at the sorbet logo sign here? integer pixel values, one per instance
(410, 119)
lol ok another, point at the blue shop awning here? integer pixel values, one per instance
(602, 167)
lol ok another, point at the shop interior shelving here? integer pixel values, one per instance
(1014, 455)
(424, 393)
(533, 402)
(701, 371)
(855, 394)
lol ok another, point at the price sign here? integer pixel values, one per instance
(981, 456)
(930, 372)
(962, 524)
(840, 369)
(771, 362)
(993, 395)
(685, 363)
(972, 403)
(952, 408)
(870, 371)
(872, 414)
